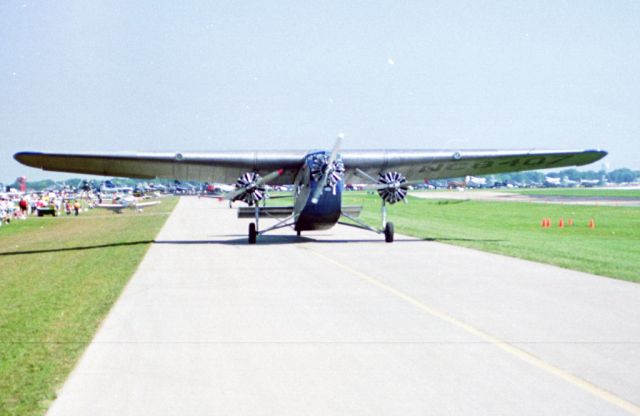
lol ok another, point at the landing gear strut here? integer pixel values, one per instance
(254, 227)
(387, 227)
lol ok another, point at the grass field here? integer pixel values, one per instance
(611, 249)
(58, 279)
(584, 192)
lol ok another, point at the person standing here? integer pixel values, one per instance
(24, 206)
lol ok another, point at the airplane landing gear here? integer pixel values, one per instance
(252, 233)
(387, 227)
(388, 232)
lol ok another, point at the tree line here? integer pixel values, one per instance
(623, 175)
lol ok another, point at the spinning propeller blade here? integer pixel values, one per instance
(251, 183)
(328, 170)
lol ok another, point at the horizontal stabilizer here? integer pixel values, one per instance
(265, 212)
(351, 210)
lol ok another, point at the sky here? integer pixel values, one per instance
(202, 75)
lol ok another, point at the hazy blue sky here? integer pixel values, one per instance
(214, 75)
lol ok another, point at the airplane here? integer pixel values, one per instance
(218, 188)
(108, 187)
(468, 182)
(563, 182)
(120, 203)
(473, 182)
(590, 183)
(318, 176)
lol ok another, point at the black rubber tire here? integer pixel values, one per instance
(388, 232)
(252, 233)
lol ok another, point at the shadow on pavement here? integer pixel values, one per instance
(242, 240)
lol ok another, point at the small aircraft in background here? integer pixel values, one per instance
(217, 188)
(318, 177)
(120, 203)
(473, 182)
(564, 182)
(590, 183)
(108, 187)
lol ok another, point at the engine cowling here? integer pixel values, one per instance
(319, 165)
(393, 187)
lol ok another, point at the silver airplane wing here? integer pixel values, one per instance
(118, 208)
(226, 167)
(223, 167)
(140, 205)
(438, 164)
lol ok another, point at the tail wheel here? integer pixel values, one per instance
(388, 232)
(252, 233)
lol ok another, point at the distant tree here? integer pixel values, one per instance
(37, 185)
(573, 174)
(73, 182)
(592, 174)
(622, 175)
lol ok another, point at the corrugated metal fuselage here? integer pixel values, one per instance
(323, 215)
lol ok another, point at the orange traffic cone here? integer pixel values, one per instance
(592, 223)
(570, 222)
(543, 223)
(561, 223)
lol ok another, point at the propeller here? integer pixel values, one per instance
(250, 187)
(331, 169)
(391, 186)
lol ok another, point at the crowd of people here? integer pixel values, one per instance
(18, 206)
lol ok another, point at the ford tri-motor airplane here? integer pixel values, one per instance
(318, 176)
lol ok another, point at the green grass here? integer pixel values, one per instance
(58, 279)
(611, 249)
(585, 192)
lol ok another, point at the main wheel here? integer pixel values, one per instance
(388, 232)
(252, 233)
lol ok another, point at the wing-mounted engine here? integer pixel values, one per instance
(393, 187)
(250, 188)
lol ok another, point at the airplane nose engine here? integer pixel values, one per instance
(393, 187)
(253, 189)
(319, 165)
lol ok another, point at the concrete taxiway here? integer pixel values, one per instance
(338, 322)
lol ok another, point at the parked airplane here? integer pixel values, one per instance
(473, 182)
(318, 176)
(218, 188)
(119, 204)
(108, 187)
(589, 183)
(564, 182)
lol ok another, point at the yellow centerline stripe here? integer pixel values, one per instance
(505, 346)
